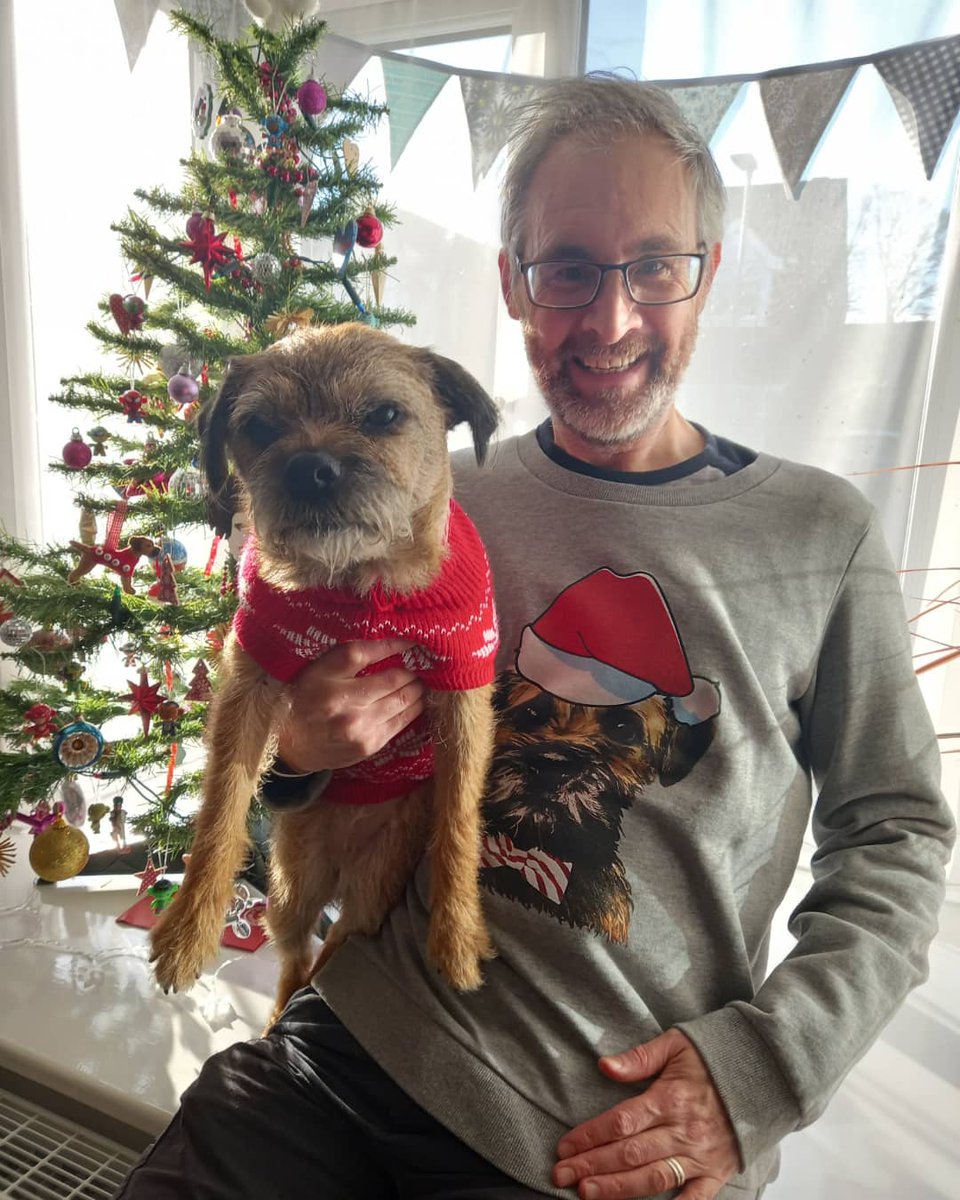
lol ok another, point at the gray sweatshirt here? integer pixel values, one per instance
(686, 672)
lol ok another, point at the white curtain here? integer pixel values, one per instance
(19, 461)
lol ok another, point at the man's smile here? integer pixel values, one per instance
(606, 366)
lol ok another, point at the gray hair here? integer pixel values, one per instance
(597, 109)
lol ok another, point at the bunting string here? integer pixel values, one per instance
(799, 102)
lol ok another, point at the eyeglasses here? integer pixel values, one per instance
(570, 283)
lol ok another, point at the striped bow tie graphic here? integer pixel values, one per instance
(548, 875)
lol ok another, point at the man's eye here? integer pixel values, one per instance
(260, 431)
(561, 273)
(381, 418)
(652, 266)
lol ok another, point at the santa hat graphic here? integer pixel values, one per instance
(607, 639)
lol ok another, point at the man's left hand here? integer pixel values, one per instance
(623, 1152)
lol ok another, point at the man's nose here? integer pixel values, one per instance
(613, 312)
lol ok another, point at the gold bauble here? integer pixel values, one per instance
(60, 852)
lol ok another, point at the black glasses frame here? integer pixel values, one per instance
(524, 267)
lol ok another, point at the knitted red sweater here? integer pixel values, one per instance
(452, 623)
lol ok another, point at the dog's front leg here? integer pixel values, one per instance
(463, 734)
(243, 714)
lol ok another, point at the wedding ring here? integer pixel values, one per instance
(678, 1172)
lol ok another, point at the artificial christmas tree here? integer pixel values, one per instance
(118, 622)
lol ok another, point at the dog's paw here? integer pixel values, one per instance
(458, 959)
(177, 956)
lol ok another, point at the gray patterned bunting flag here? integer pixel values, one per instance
(490, 104)
(799, 107)
(337, 61)
(705, 105)
(136, 17)
(411, 89)
(924, 82)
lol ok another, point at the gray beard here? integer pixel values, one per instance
(611, 418)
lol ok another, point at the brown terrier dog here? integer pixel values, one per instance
(339, 437)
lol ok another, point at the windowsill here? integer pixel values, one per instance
(80, 1013)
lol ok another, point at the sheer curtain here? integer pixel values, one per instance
(830, 336)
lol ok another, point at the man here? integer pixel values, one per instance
(691, 631)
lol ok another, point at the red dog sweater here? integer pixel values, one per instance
(452, 624)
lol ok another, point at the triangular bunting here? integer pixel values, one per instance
(337, 61)
(411, 89)
(136, 17)
(799, 107)
(705, 105)
(490, 105)
(924, 82)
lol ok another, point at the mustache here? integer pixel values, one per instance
(582, 346)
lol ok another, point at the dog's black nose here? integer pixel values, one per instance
(312, 474)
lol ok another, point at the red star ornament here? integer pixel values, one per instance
(206, 246)
(148, 876)
(144, 699)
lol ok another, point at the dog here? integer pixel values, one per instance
(338, 437)
(562, 777)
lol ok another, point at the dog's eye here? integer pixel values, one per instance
(381, 418)
(260, 431)
(621, 725)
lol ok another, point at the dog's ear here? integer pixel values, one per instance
(464, 399)
(684, 748)
(214, 421)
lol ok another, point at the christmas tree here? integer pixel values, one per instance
(116, 621)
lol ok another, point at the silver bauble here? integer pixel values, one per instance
(229, 139)
(265, 268)
(16, 632)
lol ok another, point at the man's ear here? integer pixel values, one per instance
(463, 398)
(714, 254)
(506, 285)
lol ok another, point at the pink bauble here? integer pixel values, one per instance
(195, 225)
(183, 389)
(76, 453)
(369, 231)
(312, 97)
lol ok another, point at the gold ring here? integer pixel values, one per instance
(678, 1172)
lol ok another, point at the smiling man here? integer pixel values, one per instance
(610, 307)
(702, 646)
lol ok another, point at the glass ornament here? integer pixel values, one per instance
(177, 551)
(74, 802)
(183, 389)
(187, 483)
(202, 110)
(369, 231)
(229, 139)
(265, 268)
(76, 453)
(78, 746)
(16, 632)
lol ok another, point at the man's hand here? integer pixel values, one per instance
(337, 719)
(623, 1152)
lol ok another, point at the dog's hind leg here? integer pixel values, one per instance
(303, 878)
(463, 732)
(381, 849)
(243, 715)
